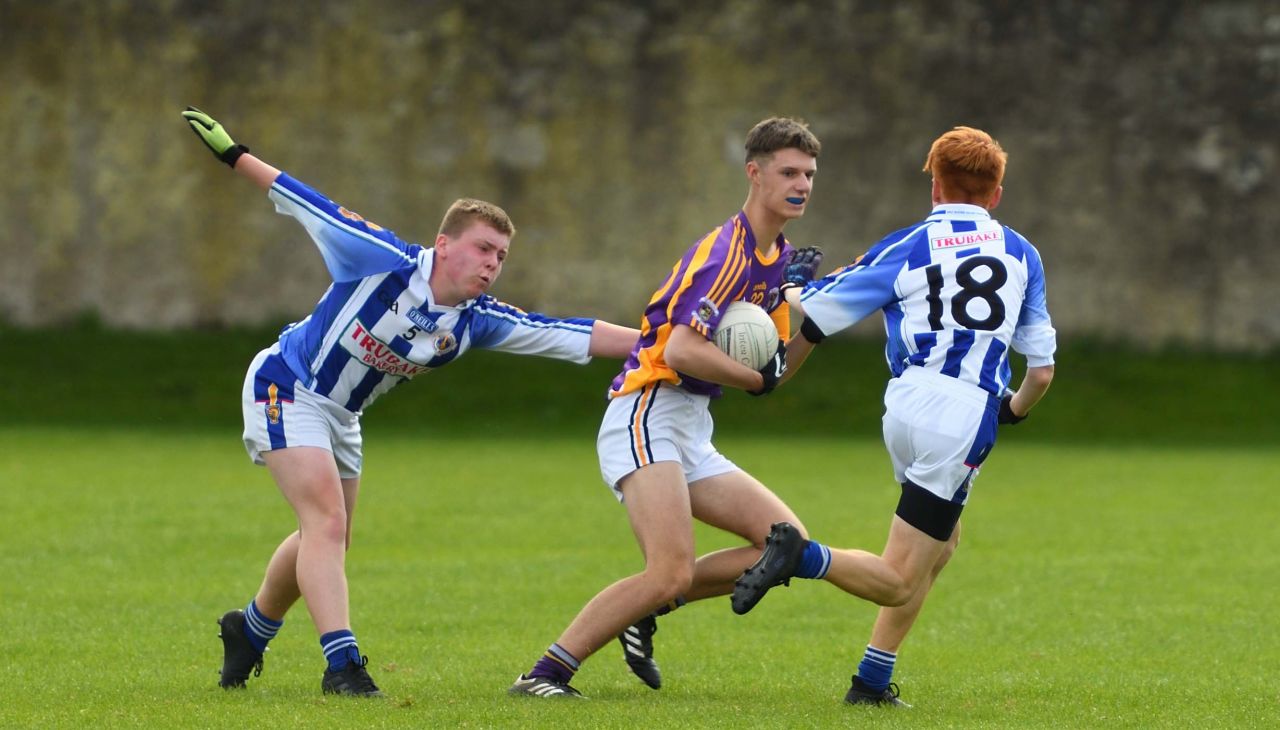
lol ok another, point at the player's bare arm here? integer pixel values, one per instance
(693, 354)
(1033, 387)
(259, 172)
(612, 340)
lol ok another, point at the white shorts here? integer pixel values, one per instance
(659, 422)
(280, 412)
(938, 431)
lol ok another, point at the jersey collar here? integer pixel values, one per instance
(961, 211)
(750, 241)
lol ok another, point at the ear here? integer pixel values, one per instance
(442, 244)
(995, 197)
(753, 171)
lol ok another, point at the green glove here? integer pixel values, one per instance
(214, 136)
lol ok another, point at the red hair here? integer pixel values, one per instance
(967, 164)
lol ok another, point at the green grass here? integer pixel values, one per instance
(1095, 586)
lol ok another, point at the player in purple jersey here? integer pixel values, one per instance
(655, 441)
(958, 291)
(394, 310)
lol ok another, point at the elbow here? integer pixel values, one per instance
(1040, 377)
(676, 356)
(1045, 375)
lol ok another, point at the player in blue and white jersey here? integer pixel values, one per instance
(958, 291)
(394, 310)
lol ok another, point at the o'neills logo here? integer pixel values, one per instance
(377, 354)
(965, 239)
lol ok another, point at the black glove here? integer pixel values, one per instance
(802, 267)
(214, 136)
(773, 370)
(1006, 412)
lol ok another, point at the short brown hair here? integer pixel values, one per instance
(780, 133)
(967, 164)
(466, 211)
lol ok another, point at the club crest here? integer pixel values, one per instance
(706, 311)
(446, 343)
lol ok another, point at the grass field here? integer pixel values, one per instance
(1096, 586)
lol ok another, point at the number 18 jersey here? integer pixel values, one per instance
(958, 290)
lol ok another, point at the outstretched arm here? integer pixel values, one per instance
(215, 137)
(612, 340)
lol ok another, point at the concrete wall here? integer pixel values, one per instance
(1144, 143)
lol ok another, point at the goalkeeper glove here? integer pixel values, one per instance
(802, 267)
(214, 136)
(773, 370)
(1007, 415)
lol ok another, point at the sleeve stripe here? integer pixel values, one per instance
(324, 216)
(530, 322)
(880, 257)
(732, 271)
(699, 256)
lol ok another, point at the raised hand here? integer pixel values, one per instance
(214, 136)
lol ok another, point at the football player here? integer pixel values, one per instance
(655, 444)
(393, 311)
(958, 290)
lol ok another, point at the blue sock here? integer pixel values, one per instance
(815, 562)
(339, 648)
(259, 629)
(557, 664)
(876, 668)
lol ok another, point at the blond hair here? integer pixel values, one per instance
(968, 165)
(466, 211)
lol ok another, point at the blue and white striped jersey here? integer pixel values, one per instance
(957, 290)
(377, 326)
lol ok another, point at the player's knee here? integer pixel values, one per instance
(330, 528)
(898, 594)
(671, 582)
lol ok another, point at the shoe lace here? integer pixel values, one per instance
(892, 690)
(257, 667)
(360, 678)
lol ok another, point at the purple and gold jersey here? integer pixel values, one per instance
(722, 268)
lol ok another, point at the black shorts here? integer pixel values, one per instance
(927, 512)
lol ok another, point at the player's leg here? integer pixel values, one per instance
(872, 683)
(894, 622)
(279, 589)
(322, 500)
(270, 422)
(657, 501)
(937, 439)
(735, 502)
(890, 579)
(308, 479)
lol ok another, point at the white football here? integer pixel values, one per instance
(747, 334)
